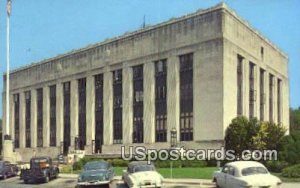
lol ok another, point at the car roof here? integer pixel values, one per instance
(245, 164)
(93, 162)
(136, 163)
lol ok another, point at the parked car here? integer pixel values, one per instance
(7, 169)
(96, 173)
(141, 174)
(41, 169)
(245, 174)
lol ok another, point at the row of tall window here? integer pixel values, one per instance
(161, 130)
(253, 94)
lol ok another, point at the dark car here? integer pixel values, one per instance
(41, 169)
(7, 169)
(96, 173)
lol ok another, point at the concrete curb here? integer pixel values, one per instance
(201, 182)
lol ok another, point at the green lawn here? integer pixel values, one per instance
(195, 173)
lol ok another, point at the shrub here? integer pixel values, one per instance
(276, 166)
(292, 171)
(118, 162)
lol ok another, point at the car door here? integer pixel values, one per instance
(231, 181)
(222, 176)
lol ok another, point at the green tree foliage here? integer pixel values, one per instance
(294, 119)
(243, 134)
(290, 148)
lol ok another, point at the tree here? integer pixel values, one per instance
(294, 119)
(290, 148)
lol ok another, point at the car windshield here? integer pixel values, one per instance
(142, 168)
(96, 166)
(254, 170)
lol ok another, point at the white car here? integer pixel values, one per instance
(141, 174)
(248, 174)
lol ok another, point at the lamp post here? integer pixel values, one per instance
(173, 146)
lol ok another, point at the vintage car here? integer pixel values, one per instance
(141, 174)
(7, 169)
(41, 169)
(96, 173)
(245, 174)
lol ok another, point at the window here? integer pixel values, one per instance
(279, 100)
(186, 97)
(271, 84)
(17, 120)
(262, 52)
(252, 91)
(67, 124)
(161, 101)
(240, 85)
(82, 113)
(117, 97)
(53, 115)
(98, 112)
(262, 94)
(39, 117)
(138, 90)
(27, 119)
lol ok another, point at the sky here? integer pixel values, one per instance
(42, 29)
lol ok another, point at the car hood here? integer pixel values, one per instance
(261, 179)
(146, 175)
(93, 175)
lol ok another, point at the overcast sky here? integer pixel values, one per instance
(42, 29)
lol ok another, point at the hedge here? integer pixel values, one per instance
(292, 171)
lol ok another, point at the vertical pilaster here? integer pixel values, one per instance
(12, 116)
(90, 111)
(59, 114)
(149, 102)
(275, 99)
(173, 92)
(74, 111)
(4, 113)
(108, 108)
(127, 99)
(33, 118)
(22, 119)
(256, 92)
(46, 116)
(246, 88)
(267, 94)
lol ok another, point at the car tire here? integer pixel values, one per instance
(26, 181)
(4, 176)
(217, 185)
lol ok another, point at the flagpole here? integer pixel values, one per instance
(7, 75)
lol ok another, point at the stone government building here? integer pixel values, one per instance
(194, 73)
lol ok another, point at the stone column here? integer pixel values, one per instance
(59, 114)
(46, 116)
(12, 116)
(256, 89)
(33, 126)
(74, 111)
(127, 99)
(275, 95)
(149, 102)
(267, 94)
(90, 112)
(22, 119)
(246, 87)
(108, 108)
(4, 112)
(173, 96)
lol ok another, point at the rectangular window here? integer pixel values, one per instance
(39, 93)
(67, 124)
(252, 91)
(279, 82)
(138, 95)
(81, 113)
(271, 84)
(27, 119)
(117, 117)
(186, 97)
(239, 85)
(98, 112)
(53, 115)
(161, 101)
(262, 94)
(17, 120)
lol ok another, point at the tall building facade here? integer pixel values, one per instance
(193, 74)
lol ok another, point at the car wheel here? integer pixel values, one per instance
(4, 176)
(217, 185)
(26, 181)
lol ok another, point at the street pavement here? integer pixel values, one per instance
(69, 181)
